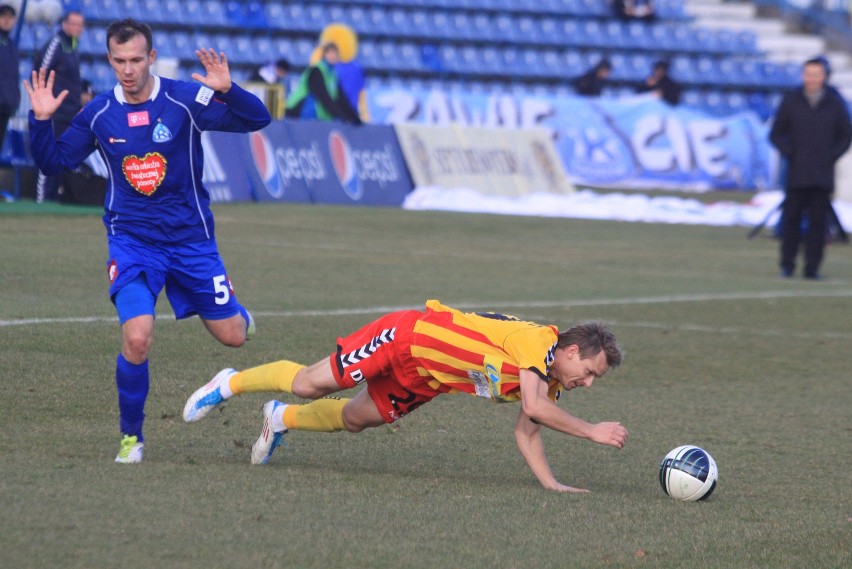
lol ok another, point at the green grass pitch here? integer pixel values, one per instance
(721, 353)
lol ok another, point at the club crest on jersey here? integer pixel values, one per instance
(161, 133)
(144, 174)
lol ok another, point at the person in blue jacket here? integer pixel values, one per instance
(160, 229)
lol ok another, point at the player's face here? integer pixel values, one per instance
(132, 62)
(573, 371)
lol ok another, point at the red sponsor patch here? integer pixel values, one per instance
(139, 118)
(112, 271)
(144, 174)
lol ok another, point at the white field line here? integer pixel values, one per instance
(567, 303)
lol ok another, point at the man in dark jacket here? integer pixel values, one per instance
(10, 81)
(60, 55)
(661, 84)
(812, 132)
(592, 82)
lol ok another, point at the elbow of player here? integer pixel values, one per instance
(533, 409)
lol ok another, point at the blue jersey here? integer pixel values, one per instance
(153, 154)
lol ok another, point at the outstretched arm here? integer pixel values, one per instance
(528, 437)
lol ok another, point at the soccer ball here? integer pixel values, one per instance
(688, 473)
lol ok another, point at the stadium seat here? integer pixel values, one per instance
(461, 26)
(400, 22)
(504, 28)
(439, 25)
(482, 27)
(213, 13)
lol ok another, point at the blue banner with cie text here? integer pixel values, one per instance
(308, 162)
(634, 141)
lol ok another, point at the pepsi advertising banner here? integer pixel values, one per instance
(635, 141)
(312, 162)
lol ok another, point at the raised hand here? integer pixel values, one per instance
(42, 101)
(218, 75)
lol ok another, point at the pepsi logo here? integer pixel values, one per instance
(345, 166)
(263, 156)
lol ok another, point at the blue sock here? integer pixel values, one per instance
(244, 314)
(132, 381)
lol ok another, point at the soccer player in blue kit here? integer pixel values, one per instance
(159, 225)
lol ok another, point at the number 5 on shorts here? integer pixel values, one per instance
(222, 288)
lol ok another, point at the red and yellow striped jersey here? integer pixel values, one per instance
(481, 353)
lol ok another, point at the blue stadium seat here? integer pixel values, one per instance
(490, 60)
(482, 27)
(376, 21)
(746, 42)
(430, 58)
(525, 29)
(132, 9)
(470, 60)
(504, 28)
(367, 54)
(213, 13)
(439, 25)
(461, 26)
(254, 15)
(26, 41)
(276, 15)
(591, 33)
(549, 32)
(450, 58)
(408, 57)
(182, 44)
(400, 22)
(94, 43)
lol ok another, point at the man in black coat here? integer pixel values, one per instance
(60, 55)
(812, 131)
(10, 84)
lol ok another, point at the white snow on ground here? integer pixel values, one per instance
(587, 204)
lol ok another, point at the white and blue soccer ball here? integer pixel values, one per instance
(689, 474)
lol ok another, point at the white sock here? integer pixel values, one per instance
(278, 419)
(225, 387)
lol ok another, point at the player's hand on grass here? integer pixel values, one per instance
(609, 433)
(42, 101)
(218, 75)
(559, 487)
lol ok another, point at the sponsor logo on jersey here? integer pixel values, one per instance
(204, 96)
(144, 174)
(344, 165)
(112, 271)
(113, 140)
(161, 133)
(139, 118)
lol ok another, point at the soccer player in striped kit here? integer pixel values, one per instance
(407, 358)
(160, 228)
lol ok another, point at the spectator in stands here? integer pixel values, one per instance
(592, 82)
(10, 90)
(273, 73)
(661, 84)
(60, 56)
(350, 76)
(318, 94)
(811, 131)
(642, 10)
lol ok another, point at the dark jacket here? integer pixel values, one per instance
(670, 90)
(589, 84)
(10, 80)
(811, 139)
(60, 55)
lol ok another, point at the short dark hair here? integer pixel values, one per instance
(7, 9)
(67, 14)
(826, 66)
(592, 338)
(124, 30)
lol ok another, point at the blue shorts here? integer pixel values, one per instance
(193, 275)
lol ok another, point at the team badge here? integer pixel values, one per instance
(161, 133)
(144, 174)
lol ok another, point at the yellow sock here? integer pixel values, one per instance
(325, 415)
(277, 376)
